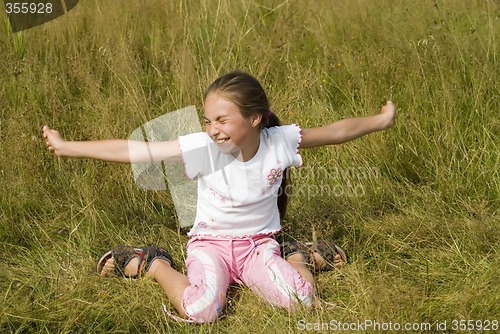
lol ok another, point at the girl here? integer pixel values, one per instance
(240, 162)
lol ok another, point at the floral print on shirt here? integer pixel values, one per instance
(221, 198)
(274, 175)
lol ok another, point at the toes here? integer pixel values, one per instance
(338, 261)
(108, 267)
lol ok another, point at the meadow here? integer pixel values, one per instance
(416, 207)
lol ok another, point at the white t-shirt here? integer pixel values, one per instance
(236, 198)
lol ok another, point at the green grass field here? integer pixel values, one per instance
(416, 207)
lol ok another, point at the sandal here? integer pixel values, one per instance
(326, 249)
(124, 254)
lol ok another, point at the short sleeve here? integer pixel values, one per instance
(194, 148)
(287, 138)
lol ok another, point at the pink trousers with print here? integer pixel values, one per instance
(213, 263)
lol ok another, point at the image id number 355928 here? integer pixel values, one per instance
(475, 325)
(25, 8)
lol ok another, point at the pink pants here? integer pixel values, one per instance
(213, 263)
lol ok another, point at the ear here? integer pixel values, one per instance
(255, 120)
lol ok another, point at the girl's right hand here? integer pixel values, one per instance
(53, 139)
(389, 113)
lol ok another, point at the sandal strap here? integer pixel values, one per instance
(153, 253)
(325, 248)
(289, 248)
(328, 250)
(122, 256)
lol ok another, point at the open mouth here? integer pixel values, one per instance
(221, 141)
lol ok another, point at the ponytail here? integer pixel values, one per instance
(272, 120)
(282, 200)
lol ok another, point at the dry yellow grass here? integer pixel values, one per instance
(416, 206)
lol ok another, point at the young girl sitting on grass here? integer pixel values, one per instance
(240, 162)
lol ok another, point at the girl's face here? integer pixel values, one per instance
(228, 128)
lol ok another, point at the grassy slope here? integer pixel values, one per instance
(416, 206)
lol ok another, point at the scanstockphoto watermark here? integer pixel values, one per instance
(310, 182)
(310, 191)
(471, 325)
(321, 173)
(364, 325)
(307, 182)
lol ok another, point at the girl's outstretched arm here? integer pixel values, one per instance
(113, 150)
(348, 129)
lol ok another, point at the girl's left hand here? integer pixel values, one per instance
(53, 139)
(388, 111)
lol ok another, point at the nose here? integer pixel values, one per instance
(212, 130)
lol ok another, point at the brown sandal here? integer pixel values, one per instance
(124, 254)
(326, 249)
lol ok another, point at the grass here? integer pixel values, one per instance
(415, 206)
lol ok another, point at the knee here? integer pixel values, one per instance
(303, 296)
(203, 317)
(306, 301)
(205, 309)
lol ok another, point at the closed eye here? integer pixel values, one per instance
(220, 120)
